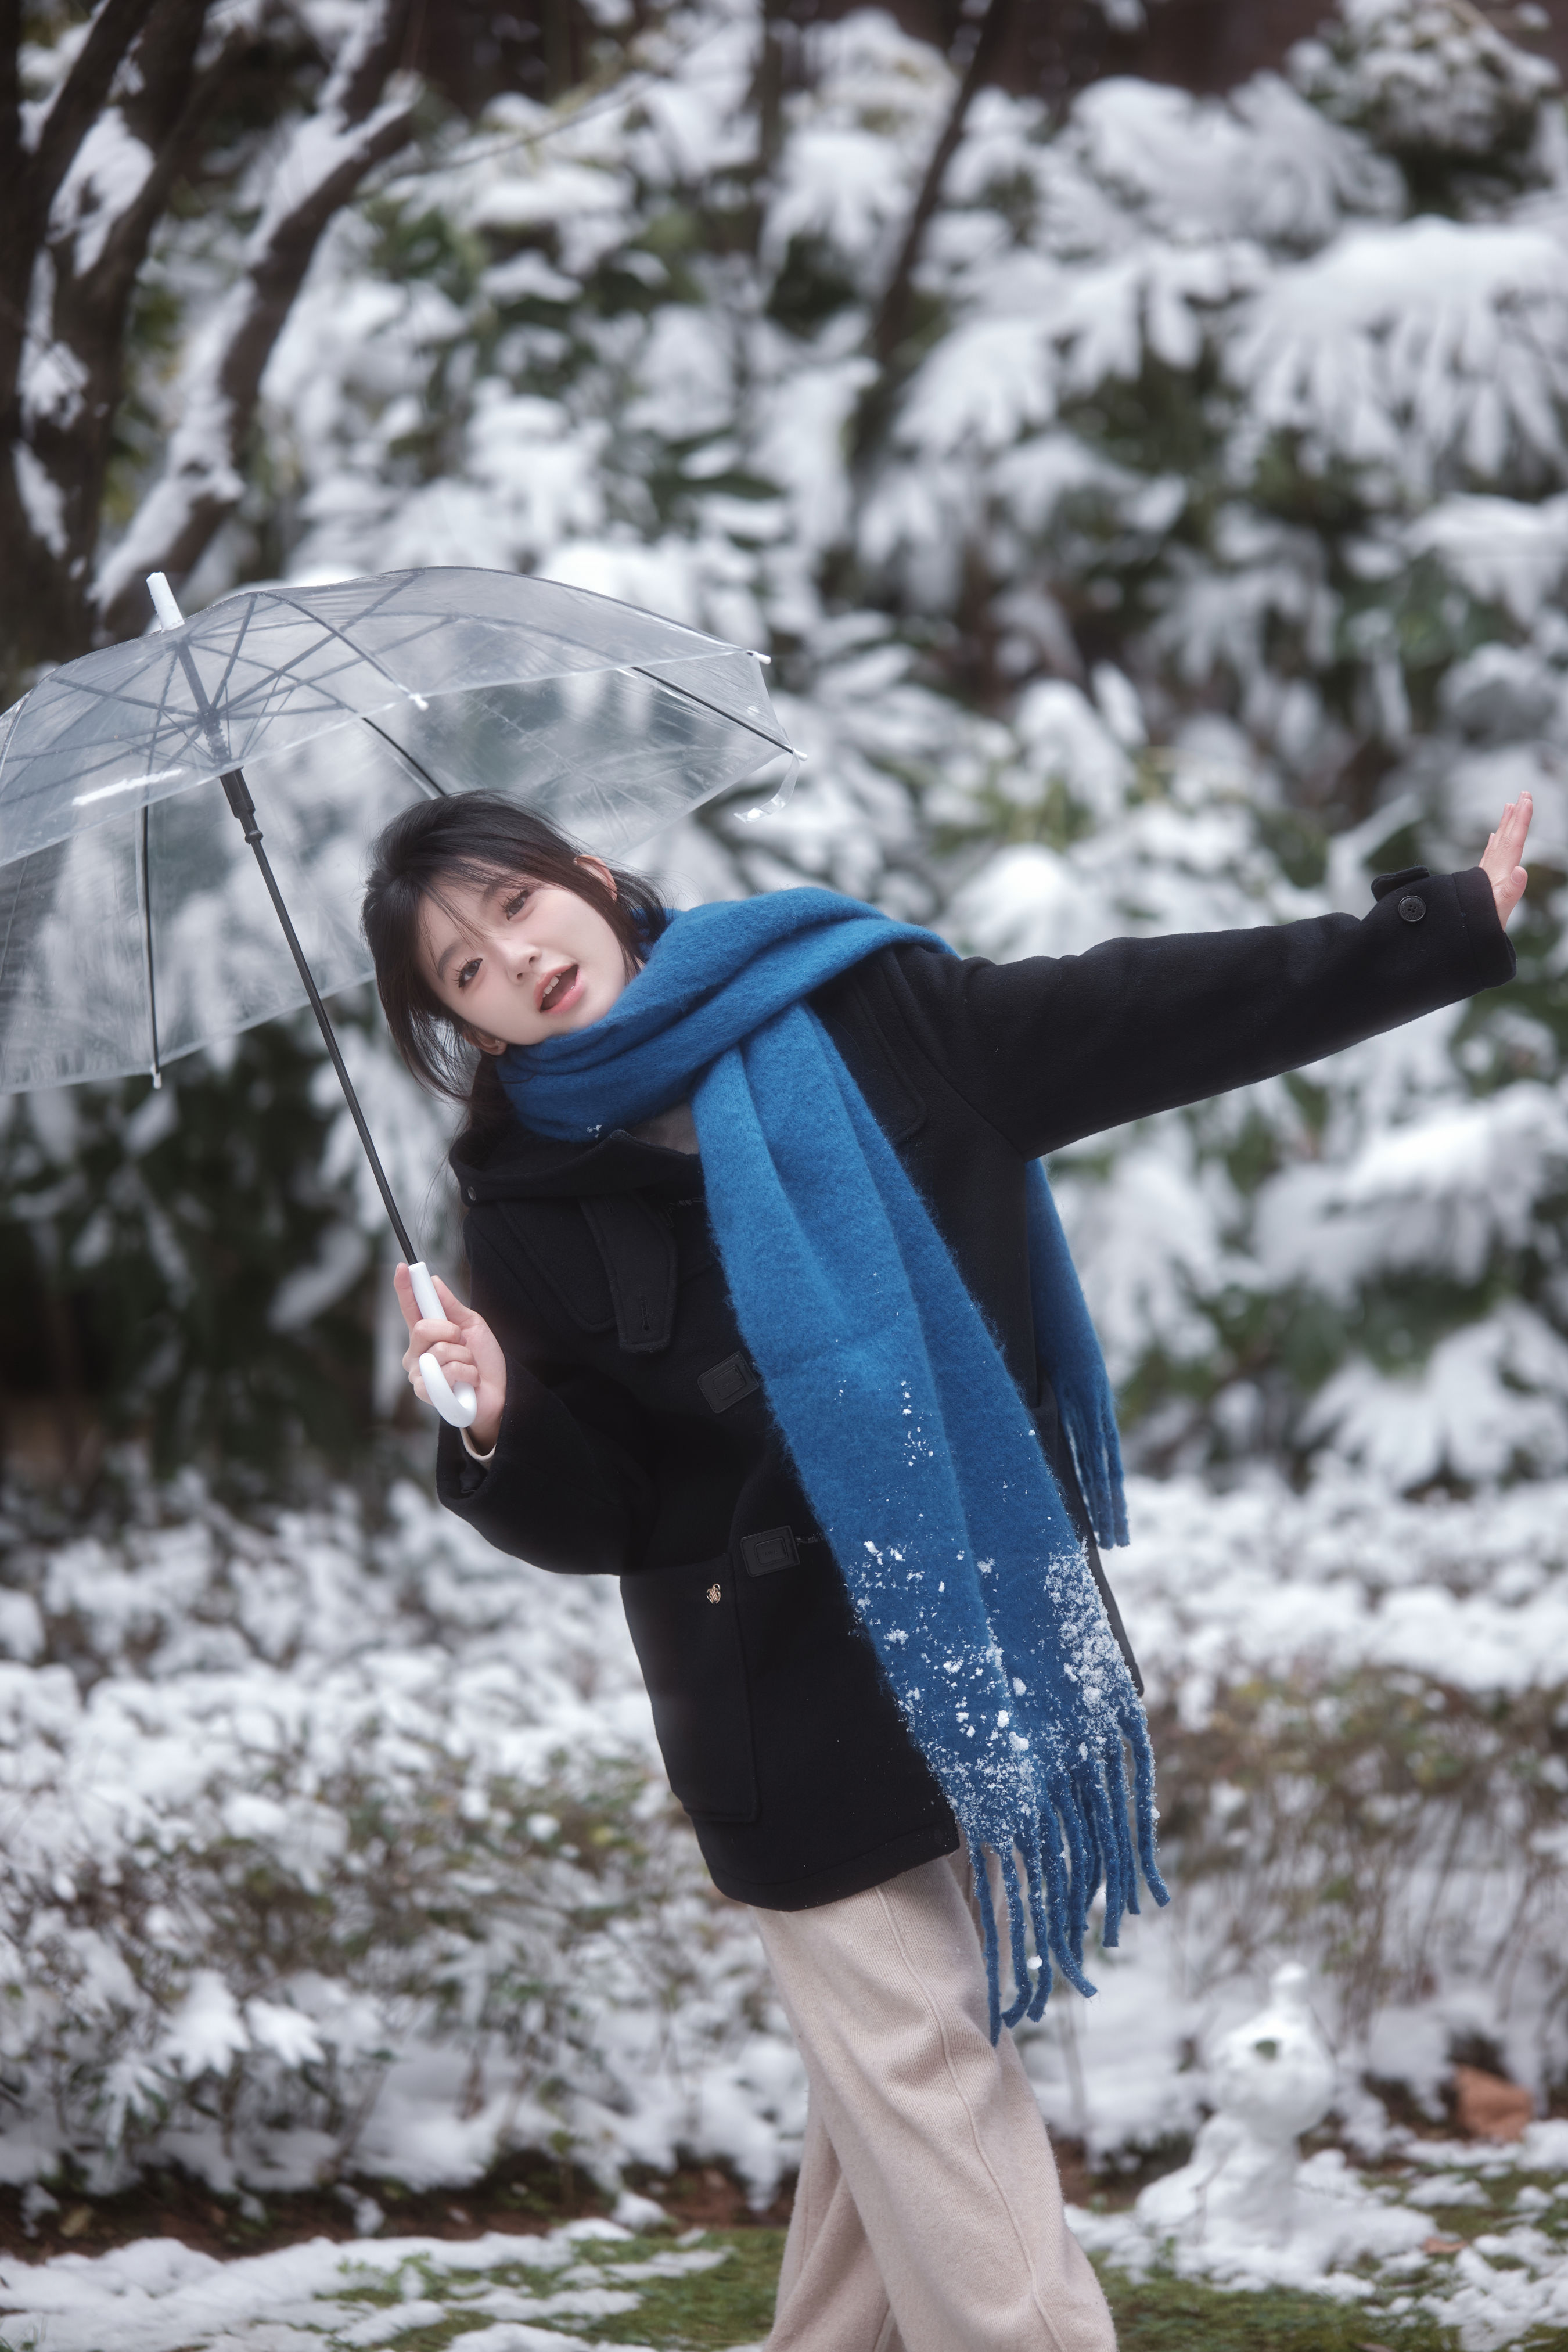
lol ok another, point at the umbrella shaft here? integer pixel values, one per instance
(238, 793)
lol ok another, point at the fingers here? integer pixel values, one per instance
(1508, 893)
(1500, 858)
(1509, 839)
(440, 1341)
(455, 1362)
(403, 1283)
(460, 1340)
(422, 1335)
(454, 1305)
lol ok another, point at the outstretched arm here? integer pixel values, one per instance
(1052, 1048)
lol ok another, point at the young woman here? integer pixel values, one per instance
(772, 1319)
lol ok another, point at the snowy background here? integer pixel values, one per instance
(1196, 551)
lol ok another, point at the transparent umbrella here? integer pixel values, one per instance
(140, 921)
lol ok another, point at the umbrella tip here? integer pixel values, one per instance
(165, 602)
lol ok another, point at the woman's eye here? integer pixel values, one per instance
(470, 968)
(515, 905)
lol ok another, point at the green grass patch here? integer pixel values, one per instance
(1162, 2314)
(704, 2311)
(732, 2303)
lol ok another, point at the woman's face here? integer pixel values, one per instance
(517, 961)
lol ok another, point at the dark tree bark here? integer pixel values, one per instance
(768, 83)
(890, 327)
(71, 256)
(42, 605)
(354, 127)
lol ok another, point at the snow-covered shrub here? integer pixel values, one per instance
(1432, 83)
(329, 1854)
(1361, 1709)
(1200, 550)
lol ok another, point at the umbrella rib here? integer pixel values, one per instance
(332, 630)
(161, 707)
(395, 585)
(216, 747)
(144, 893)
(422, 773)
(717, 709)
(233, 650)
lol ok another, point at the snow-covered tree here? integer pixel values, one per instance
(170, 168)
(1192, 551)
(1157, 508)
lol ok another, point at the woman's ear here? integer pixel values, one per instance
(484, 1044)
(600, 872)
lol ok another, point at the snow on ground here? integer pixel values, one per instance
(337, 1854)
(1386, 2243)
(523, 2295)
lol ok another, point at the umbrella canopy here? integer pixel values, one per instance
(134, 923)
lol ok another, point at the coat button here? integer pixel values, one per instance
(1412, 909)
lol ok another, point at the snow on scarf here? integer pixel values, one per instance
(913, 1445)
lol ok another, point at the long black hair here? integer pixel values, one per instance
(478, 838)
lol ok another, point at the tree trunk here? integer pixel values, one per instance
(73, 244)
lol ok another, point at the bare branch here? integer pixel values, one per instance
(80, 96)
(890, 324)
(768, 83)
(10, 92)
(125, 245)
(354, 129)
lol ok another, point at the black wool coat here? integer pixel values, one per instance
(637, 1443)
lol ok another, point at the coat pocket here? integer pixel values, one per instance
(687, 1635)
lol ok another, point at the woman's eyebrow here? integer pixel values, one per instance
(491, 889)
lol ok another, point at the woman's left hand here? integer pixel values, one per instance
(1500, 858)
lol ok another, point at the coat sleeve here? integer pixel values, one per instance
(1051, 1048)
(569, 1485)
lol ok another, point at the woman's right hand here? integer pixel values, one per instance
(1500, 858)
(467, 1350)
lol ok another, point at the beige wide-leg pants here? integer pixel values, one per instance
(929, 2213)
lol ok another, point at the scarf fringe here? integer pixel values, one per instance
(1092, 1830)
(1090, 1425)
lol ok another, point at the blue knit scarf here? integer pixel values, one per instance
(913, 1445)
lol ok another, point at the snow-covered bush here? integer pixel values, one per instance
(1361, 1708)
(1198, 549)
(331, 1854)
(340, 1856)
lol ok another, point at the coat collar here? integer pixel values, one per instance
(520, 1165)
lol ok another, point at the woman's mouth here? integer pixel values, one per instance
(560, 989)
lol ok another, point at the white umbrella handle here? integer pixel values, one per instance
(456, 1405)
